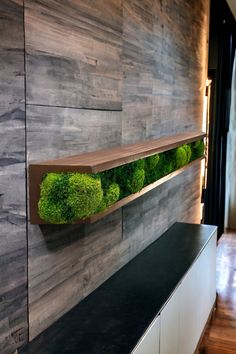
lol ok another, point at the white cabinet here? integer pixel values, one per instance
(179, 327)
(189, 311)
(149, 343)
(169, 333)
(185, 314)
(207, 281)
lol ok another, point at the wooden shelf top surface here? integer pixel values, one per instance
(100, 160)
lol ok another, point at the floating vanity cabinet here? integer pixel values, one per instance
(158, 303)
(149, 343)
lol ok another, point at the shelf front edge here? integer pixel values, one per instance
(116, 156)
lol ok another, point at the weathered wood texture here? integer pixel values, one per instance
(74, 53)
(13, 279)
(162, 56)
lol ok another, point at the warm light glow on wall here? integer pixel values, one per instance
(205, 128)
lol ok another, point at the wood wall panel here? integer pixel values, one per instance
(180, 66)
(145, 57)
(68, 262)
(147, 218)
(56, 132)
(74, 53)
(137, 67)
(13, 251)
(185, 188)
(161, 94)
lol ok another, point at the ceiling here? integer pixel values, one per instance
(232, 5)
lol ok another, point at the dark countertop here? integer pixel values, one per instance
(112, 319)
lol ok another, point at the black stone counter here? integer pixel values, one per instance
(113, 318)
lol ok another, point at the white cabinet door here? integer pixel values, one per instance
(188, 307)
(207, 281)
(198, 291)
(178, 328)
(149, 343)
(169, 334)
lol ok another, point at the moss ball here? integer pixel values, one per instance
(188, 151)
(139, 164)
(196, 144)
(53, 205)
(168, 168)
(65, 197)
(112, 194)
(180, 157)
(136, 181)
(151, 162)
(85, 194)
(200, 149)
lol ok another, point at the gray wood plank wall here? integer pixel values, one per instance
(13, 262)
(99, 74)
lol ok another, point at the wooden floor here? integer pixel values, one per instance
(220, 337)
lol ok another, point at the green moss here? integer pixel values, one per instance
(180, 157)
(85, 194)
(136, 181)
(129, 177)
(195, 144)
(54, 191)
(188, 151)
(139, 164)
(151, 162)
(65, 197)
(198, 149)
(112, 194)
(51, 212)
(165, 165)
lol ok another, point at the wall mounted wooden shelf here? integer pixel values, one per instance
(106, 159)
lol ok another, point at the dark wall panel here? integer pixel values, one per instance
(13, 275)
(74, 53)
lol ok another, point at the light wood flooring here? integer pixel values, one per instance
(220, 337)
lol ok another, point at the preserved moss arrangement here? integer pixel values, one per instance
(67, 197)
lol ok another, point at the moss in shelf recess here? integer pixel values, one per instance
(188, 151)
(85, 194)
(66, 197)
(54, 191)
(151, 164)
(129, 177)
(180, 157)
(111, 195)
(198, 149)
